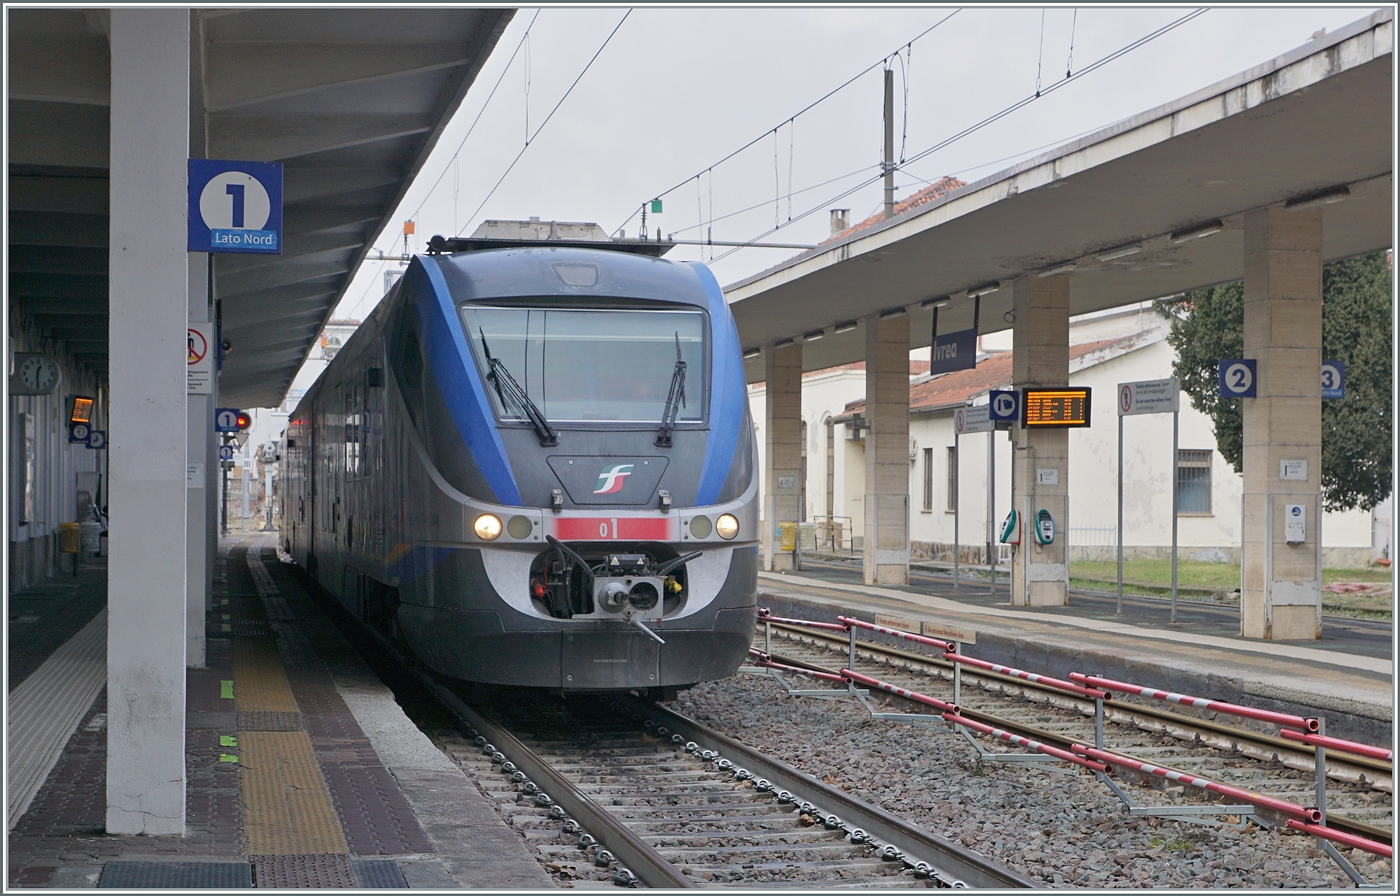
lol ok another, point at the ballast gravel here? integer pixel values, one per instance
(1057, 829)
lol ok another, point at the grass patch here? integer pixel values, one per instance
(1216, 582)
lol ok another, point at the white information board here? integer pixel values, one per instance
(1149, 397)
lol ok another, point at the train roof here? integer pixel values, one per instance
(568, 269)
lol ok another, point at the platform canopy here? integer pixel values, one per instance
(1318, 119)
(350, 101)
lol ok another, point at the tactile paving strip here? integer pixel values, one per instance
(129, 875)
(269, 721)
(287, 809)
(320, 872)
(378, 874)
(260, 684)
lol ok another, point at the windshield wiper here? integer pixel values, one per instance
(675, 400)
(510, 392)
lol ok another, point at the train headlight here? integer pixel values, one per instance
(700, 527)
(487, 527)
(727, 526)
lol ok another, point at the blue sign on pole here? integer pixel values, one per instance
(1003, 405)
(225, 419)
(1238, 378)
(97, 439)
(235, 206)
(79, 432)
(953, 351)
(1334, 379)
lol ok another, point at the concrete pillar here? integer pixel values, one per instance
(1040, 357)
(782, 449)
(199, 432)
(1281, 594)
(886, 551)
(148, 429)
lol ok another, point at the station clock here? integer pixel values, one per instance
(35, 374)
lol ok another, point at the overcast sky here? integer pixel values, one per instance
(676, 90)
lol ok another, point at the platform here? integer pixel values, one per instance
(1344, 678)
(302, 769)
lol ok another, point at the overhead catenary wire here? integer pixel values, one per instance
(812, 105)
(997, 116)
(547, 118)
(457, 153)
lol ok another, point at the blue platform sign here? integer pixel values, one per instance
(97, 439)
(1003, 405)
(953, 351)
(1239, 378)
(1334, 379)
(235, 206)
(225, 419)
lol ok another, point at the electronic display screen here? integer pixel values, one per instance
(82, 410)
(1055, 407)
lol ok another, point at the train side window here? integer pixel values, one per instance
(353, 427)
(406, 360)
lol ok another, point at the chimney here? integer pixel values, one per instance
(840, 220)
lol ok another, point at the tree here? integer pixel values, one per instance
(1208, 324)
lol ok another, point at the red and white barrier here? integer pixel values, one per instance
(903, 692)
(1046, 680)
(1326, 833)
(1248, 712)
(764, 661)
(765, 616)
(1341, 746)
(1265, 802)
(1036, 745)
(898, 633)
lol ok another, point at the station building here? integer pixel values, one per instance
(1106, 348)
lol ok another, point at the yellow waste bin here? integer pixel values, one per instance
(68, 537)
(787, 537)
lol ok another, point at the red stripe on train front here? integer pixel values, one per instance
(606, 528)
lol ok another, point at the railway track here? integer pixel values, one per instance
(1359, 792)
(630, 792)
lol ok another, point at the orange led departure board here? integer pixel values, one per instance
(1055, 407)
(82, 410)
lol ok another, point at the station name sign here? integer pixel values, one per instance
(1055, 408)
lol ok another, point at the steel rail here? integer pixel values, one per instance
(1152, 712)
(948, 857)
(1335, 820)
(631, 851)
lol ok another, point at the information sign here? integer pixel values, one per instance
(953, 351)
(226, 419)
(199, 359)
(235, 206)
(225, 452)
(79, 432)
(1149, 397)
(97, 439)
(1238, 378)
(1055, 408)
(1002, 405)
(974, 419)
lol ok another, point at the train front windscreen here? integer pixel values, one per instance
(592, 365)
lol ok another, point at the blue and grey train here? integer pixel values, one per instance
(534, 465)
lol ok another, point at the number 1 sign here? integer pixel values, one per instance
(235, 206)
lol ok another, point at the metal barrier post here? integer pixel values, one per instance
(768, 636)
(851, 663)
(957, 676)
(1320, 770)
(1098, 723)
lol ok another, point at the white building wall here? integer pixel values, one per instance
(1148, 466)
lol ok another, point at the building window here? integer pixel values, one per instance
(952, 478)
(1193, 481)
(928, 479)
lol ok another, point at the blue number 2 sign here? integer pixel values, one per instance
(1238, 378)
(235, 206)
